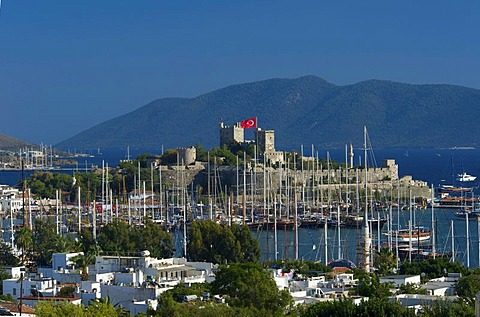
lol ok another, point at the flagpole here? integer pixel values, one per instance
(257, 150)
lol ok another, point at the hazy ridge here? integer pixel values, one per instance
(306, 110)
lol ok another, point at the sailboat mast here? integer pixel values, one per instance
(94, 224)
(325, 240)
(79, 212)
(57, 218)
(410, 227)
(303, 178)
(346, 180)
(184, 207)
(434, 251)
(338, 231)
(160, 193)
(366, 232)
(295, 236)
(103, 193)
(275, 228)
(468, 239)
(478, 235)
(29, 210)
(244, 198)
(153, 193)
(236, 198)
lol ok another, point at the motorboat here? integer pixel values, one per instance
(464, 177)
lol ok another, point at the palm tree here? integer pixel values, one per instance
(83, 261)
(24, 241)
(106, 301)
(385, 261)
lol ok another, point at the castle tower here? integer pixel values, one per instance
(231, 133)
(187, 155)
(265, 140)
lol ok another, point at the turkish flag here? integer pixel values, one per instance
(249, 123)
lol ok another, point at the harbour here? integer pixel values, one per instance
(311, 237)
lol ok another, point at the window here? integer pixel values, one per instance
(14, 292)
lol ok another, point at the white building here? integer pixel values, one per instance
(416, 301)
(132, 282)
(136, 282)
(10, 199)
(63, 269)
(398, 280)
(88, 291)
(36, 285)
(15, 272)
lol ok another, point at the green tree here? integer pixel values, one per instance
(169, 307)
(346, 308)
(97, 308)
(87, 243)
(116, 237)
(369, 286)
(156, 240)
(169, 157)
(24, 241)
(228, 158)
(468, 286)
(180, 290)
(212, 242)
(303, 267)
(7, 258)
(90, 183)
(341, 308)
(249, 246)
(385, 261)
(432, 268)
(144, 158)
(82, 261)
(45, 241)
(121, 238)
(66, 291)
(411, 288)
(67, 244)
(202, 154)
(249, 285)
(444, 308)
(3, 276)
(45, 184)
(65, 309)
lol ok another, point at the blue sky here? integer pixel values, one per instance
(67, 65)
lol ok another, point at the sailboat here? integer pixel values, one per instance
(419, 234)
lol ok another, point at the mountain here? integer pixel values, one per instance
(306, 110)
(12, 144)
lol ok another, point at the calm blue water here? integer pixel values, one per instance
(435, 166)
(312, 242)
(109, 156)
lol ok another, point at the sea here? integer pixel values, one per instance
(435, 166)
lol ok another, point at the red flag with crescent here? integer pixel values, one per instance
(249, 123)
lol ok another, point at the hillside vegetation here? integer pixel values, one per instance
(306, 110)
(12, 144)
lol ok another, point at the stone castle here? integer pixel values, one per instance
(264, 141)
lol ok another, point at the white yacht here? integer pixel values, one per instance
(464, 177)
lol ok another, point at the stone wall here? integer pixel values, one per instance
(384, 179)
